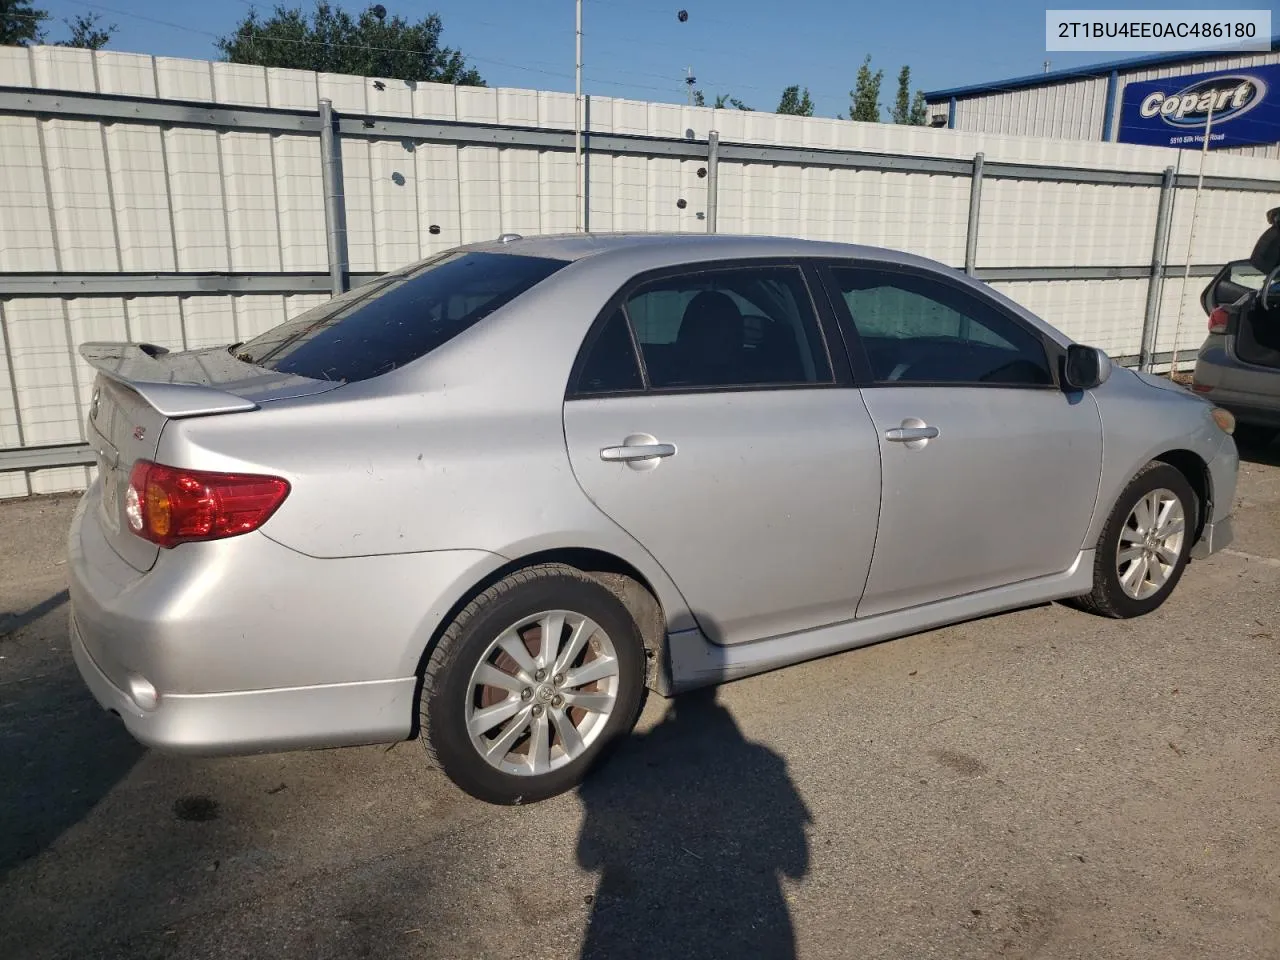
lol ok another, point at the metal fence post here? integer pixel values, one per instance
(586, 163)
(713, 178)
(971, 231)
(975, 207)
(335, 215)
(1146, 352)
(13, 389)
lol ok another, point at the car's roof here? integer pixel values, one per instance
(628, 254)
(691, 246)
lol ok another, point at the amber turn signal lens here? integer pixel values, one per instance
(1224, 419)
(157, 513)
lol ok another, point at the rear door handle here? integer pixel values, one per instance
(907, 434)
(630, 453)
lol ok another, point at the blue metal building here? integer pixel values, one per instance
(1121, 101)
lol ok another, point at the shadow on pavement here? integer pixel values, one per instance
(59, 752)
(691, 828)
(1267, 456)
(13, 622)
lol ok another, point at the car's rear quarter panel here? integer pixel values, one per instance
(302, 621)
(462, 450)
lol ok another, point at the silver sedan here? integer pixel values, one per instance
(493, 497)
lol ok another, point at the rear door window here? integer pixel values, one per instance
(747, 326)
(395, 320)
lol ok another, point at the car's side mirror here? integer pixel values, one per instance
(1237, 279)
(1085, 367)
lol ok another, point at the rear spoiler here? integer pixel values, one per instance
(136, 366)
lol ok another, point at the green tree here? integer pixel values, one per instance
(865, 95)
(907, 109)
(332, 41)
(902, 102)
(721, 102)
(919, 115)
(86, 33)
(20, 23)
(795, 103)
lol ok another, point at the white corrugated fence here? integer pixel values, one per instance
(182, 203)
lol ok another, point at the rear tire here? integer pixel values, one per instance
(1253, 436)
(510, 720)
(1139, 560)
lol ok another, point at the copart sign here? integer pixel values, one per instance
(1238, 106)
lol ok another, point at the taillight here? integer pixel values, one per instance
(1218, 320)
(168, 505)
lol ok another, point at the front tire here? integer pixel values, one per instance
(511, 718)
(1145, 544)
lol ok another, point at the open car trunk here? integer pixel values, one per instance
(139, 388)
(1253, 332)
(1258, 336)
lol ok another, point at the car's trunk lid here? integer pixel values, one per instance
(140, 388)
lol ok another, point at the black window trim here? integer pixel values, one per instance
(594, 332)
(829, 339)
(1055, 354)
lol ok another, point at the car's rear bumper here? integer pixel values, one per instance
(243, 645)
(257, 721)
(1249, 410)
(1220, 377)
(1255, 408)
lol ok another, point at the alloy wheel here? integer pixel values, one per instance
(1150, 543)
(542, 693)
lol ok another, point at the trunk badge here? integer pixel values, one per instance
(139, 432)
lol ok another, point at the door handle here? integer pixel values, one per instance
(914, 434)
(631, 453)
(907, 434)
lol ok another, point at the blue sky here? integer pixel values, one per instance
(638, 48)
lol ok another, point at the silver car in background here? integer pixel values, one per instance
(491, 498)
(1238, 366)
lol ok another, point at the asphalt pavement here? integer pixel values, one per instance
(1044, 783)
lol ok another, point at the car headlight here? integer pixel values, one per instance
(1225, 419)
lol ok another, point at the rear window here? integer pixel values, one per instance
(395, 320)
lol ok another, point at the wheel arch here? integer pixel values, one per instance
(1196, 471)
(622, 578)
